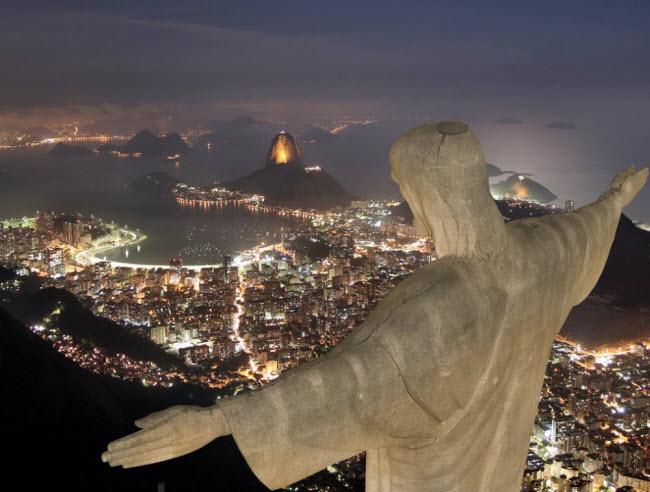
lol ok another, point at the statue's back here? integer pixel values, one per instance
(471, 339)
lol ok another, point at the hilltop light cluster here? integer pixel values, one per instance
(284, 150)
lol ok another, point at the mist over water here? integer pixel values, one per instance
(31, 181)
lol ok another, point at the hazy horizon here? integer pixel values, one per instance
(509, 70)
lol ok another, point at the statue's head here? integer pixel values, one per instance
(441, 172)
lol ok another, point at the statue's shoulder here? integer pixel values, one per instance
(438, 277)
(426, 279)
(447, 291)
(441, 328)
(452, 291)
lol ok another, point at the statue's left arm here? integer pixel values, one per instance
(589, 232)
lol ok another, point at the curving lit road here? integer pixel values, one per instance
(105, 244)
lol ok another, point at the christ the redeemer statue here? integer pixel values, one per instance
(439, 385)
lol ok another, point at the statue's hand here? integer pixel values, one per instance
(167, 434)
(627, 183)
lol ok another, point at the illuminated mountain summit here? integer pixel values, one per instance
(285, 181)
(283, 151)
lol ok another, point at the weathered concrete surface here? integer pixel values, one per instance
(440, 384)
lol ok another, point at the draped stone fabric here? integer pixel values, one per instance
(440, 384)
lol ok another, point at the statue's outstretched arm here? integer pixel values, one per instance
(588, 233)
(322, 412)
(167, 434)
(316, 414)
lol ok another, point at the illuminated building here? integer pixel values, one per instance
(195, 353)
(227, 259)
(72, 231)
(159, 334)
(55, 262)
(175, 267)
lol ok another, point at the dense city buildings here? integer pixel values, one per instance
(591, 431)
(247, 318)
(280, 303)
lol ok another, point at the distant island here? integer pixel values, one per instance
(493, 170)
(285, 181)
(522, 187)
(243, 133)
(158, 181)
(146, 144)
(63, 150)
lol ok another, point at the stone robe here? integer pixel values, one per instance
(440, 385)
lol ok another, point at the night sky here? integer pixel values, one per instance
(509, 68)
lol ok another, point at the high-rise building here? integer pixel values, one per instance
(226, 265)
(195, 353)
(175, 267)
(569, 206)
(43, 221)
(159, 334)
(72, 231)
(55, 262)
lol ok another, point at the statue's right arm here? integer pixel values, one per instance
(321, 412)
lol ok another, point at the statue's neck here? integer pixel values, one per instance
(474, 229)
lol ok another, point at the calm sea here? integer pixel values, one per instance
(31, 181)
